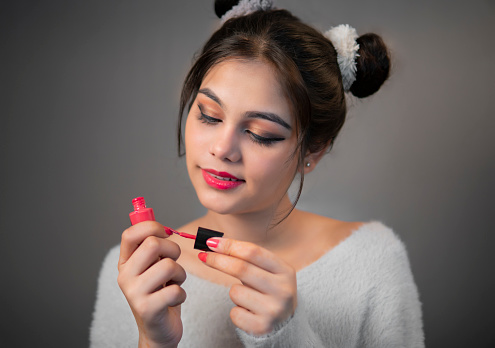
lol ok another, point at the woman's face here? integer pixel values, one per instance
(240, 137)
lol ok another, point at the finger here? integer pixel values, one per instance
(164, 272)
(249, 252)
(250, 322)
(248, 298)
(135, 235)
(169, 296)
(149, 252)
(246, 272)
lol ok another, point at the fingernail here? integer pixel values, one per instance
(168, 231)
(202, 256)
(212, 242)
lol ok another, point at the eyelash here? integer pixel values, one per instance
(208, 120)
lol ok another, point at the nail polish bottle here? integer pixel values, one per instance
(141, 213)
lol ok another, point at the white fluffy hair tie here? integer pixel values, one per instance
(343, 38)
(245, 7)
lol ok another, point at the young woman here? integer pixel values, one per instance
(266, 101)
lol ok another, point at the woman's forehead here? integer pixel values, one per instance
(246, 83)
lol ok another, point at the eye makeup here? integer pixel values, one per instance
(265, 141)
(204, 118)
(256, 138)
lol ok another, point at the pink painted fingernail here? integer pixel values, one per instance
(212, 242)
(202, 256)
(168, 231)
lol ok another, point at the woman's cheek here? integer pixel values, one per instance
(195, 136)
(203, 138)
(266, 167)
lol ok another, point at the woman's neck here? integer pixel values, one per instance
(257, 227)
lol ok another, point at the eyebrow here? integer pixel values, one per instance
(209, 93)
(269, 116)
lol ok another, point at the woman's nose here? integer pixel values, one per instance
(225, 145)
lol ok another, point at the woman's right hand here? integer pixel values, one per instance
(150, 279)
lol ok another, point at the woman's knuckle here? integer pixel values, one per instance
(239, 268)
(131, 293)
(285, 293)
(228, 246)
(121, 280)
(167, 263)
(234, 291)
(235, 314)
(273, 310)
(175, 249)
(141, 307)
(126, 236)
(152, 244)
(181, 293)
(182, 271)
(174, 291)
(250, 252)
(178, 293)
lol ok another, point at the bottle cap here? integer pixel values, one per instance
(202, 236)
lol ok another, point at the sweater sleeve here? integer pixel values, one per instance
(113, 324)
(295, 332)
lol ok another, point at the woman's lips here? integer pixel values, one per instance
(221, 180)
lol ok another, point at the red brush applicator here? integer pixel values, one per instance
(142, 213)
(182, 234)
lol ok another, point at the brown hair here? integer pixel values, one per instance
(307, 69)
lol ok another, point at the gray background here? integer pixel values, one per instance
(89, 98)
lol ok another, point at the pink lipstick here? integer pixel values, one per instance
(221, 180)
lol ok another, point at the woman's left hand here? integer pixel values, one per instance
(268, 294)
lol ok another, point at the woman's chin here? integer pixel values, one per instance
(220, 205)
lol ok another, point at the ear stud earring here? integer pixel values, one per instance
(308, 164)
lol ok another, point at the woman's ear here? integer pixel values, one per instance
(312, 158)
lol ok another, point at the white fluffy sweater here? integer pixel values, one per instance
(359, 294)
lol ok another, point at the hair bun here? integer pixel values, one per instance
(222, 6)
(373, 65)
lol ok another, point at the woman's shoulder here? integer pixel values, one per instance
(372, 251)
(374, 246)
(377, 236)
(371, 233)
(366, 241)
(325, 229)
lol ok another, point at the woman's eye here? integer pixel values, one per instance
(258, 139)
(204, 118)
